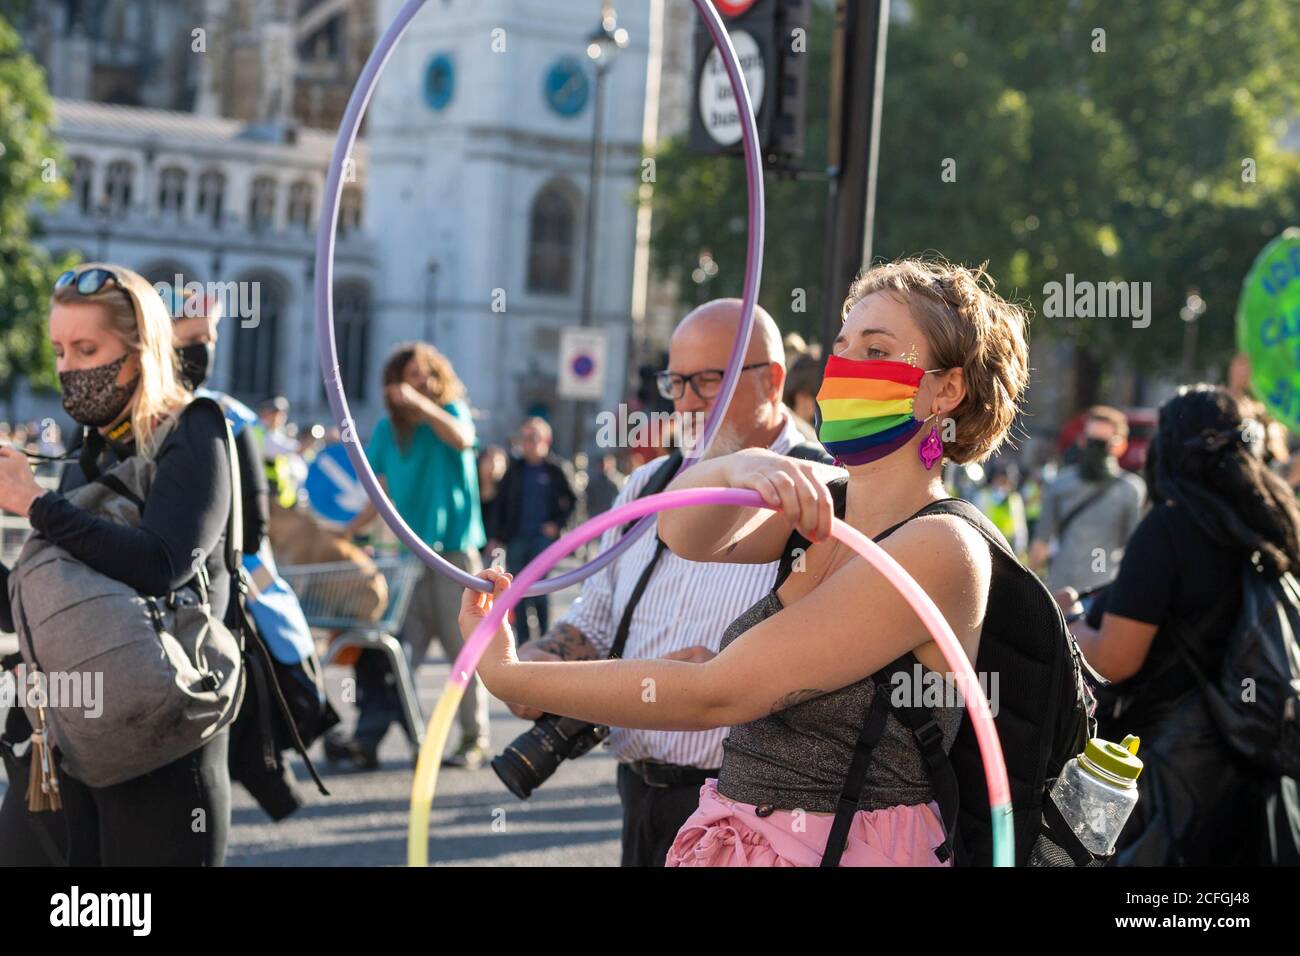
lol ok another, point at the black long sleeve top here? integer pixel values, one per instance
(184, 518)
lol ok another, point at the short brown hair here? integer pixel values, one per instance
(969, 326)
(1112, 416)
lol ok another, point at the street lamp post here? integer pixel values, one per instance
(431, 301)
(602, 47)
(1191, 311)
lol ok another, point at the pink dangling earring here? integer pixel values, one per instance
(931, 449)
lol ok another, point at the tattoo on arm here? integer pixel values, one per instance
(796, 697)
(568, 643)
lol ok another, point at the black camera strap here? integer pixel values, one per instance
(657, 483)
(625, 623)
(1085, 504)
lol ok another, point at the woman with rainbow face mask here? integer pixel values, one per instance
(929, 363)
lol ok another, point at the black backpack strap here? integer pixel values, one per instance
(929, 738)
(1060, 834)
(625, 622)
(811, 451)
(1085, 504)
(266, 666)
(657, 482)
(119, 487)
(235, 517)
(851, 794)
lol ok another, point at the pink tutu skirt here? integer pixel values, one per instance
(722, 832)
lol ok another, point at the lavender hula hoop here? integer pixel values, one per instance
(324, 291)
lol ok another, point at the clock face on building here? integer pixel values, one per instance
(567, 86)
(439, 81)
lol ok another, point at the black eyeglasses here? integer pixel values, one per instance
(705, 383)
(88, 282)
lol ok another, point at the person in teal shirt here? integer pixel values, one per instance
(423, 452)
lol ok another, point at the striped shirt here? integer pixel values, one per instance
(685, 604)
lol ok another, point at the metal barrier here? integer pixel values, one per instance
(328, 591)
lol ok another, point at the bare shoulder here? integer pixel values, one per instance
(942, 548)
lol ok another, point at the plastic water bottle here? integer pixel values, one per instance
(1097, 791)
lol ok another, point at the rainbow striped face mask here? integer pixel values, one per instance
(865, 407)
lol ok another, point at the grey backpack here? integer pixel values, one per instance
(130, 681)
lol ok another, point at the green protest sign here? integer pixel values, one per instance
(1268, 327)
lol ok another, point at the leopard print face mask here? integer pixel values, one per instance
(92, 396)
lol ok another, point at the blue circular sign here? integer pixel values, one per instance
(439, 81)
(567, 86)
(332, 487)
(583, 366)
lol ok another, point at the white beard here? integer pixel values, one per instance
(725, 442)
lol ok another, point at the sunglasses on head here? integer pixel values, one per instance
(87, 282)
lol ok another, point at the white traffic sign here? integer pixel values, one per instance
(583, 357)
(718, 110)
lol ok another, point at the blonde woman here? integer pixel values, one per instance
(112, 341)
(929, 362)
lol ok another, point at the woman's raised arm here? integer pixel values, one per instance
(726, 533)
(850, 626)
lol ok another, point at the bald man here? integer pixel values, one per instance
(683, 606)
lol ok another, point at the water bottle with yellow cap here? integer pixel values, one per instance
(1097, 791)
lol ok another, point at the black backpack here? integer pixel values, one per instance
(1044, 719)
(283, 710)
(1255, 700)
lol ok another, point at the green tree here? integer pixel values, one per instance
(30, 165)
(1148, 152)
(700, 205)
(1114, 141)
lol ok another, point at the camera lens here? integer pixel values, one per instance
(532, 757)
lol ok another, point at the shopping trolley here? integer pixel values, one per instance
(328, 591)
